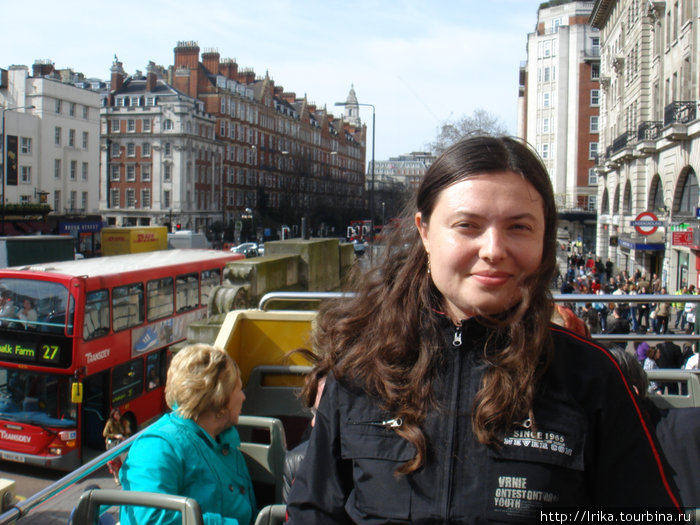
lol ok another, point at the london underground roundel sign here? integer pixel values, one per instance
(646, 223)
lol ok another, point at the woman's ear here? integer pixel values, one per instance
(422, 227)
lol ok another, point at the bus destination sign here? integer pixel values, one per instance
(42, 351)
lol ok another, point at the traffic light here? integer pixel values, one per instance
(178, 226)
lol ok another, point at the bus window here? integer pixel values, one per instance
(210, 279)
(33, 398)
(160, 298)
(187, 292)
(47, 299)
(127, 306)
(127, 382)
(153, 371)
(96, 322)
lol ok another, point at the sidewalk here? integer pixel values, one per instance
(57, 509)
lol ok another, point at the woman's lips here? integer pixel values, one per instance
(491, 278)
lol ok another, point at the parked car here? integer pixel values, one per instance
(249, 249)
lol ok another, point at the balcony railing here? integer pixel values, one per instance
(622, 141)
(680, 112)
(649, 130)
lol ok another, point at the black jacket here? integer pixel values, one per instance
(592, 448)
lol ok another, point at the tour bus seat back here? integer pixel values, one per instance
(273, 391)
(265, 461)
(272, 515)
(90, 502)
(687, 392)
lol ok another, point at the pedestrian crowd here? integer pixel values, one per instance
(587, 274)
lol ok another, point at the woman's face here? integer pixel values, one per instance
(235, 403)
(485, 235)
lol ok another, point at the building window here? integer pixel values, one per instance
(595, 97)
(84, 201)
(545, 151)
(545, 125)
(85, 140)
(145, 172)
(86, 112)
(547, 74)
(592, 150)
(595, 71)
(58, 106)
(57, 168)
(73, 169)
(25, 145)
(115, 173)
(167, 149)
(130, 198)
(592, 177)
(166, 199)
(145, 198)
(73, 200)
(115, 126)
(167, 124)
(114, 200)
(146, 125)
(167, 172)
(57, 200)
(131, 173)
(71, 138)
(116, 151)
(131, 149)
(26, 174)
(146, 149)
(594, 124)
(545, 100)
(592, 203)
(57, 136)
(84, 173)
(131, 125)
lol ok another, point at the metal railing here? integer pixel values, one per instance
(62, 487)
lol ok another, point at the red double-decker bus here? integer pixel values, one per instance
(78, 338)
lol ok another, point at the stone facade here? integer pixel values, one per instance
(650, 136)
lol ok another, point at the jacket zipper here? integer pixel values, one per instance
(456, 342)
(388, 423)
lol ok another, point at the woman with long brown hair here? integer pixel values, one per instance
(451, 397)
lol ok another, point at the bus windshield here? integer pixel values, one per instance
(27, 304)
(36, 399)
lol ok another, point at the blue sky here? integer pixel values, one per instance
(418, 62)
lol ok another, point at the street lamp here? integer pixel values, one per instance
(371, 187)
(4, 159)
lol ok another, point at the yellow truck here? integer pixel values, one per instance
(134, 239)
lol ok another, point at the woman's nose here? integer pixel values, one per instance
(493, 245)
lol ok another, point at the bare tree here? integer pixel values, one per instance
(481, 122)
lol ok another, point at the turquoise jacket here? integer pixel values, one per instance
(176, 456)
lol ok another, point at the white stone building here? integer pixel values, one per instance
(58, 142)
(558, 109)
(160, 161)
(650, 136)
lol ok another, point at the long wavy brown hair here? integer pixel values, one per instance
(387, 338)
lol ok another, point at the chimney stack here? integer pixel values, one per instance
(210, 59)
(151, 76)
(42, 68)
(117, 75)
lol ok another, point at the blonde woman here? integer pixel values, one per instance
(194, 451)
